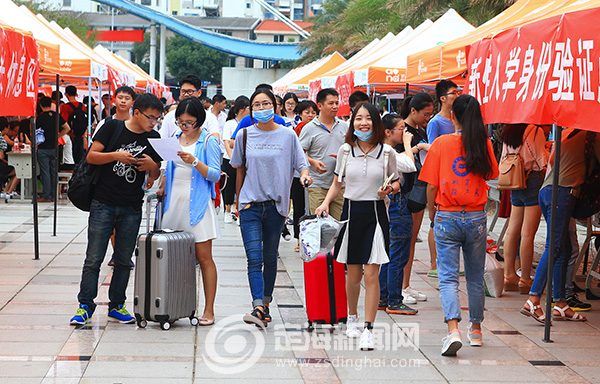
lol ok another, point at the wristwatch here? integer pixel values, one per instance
(195, 162)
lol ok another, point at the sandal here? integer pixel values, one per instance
(563, 316)
(206, 322)
(531, 312)
(525, 286)
(256, 317)
(510, 286)
(268, 317)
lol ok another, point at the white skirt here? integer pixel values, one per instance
(178, 214)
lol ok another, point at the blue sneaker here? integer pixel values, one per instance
(83, 315)
(121, 315)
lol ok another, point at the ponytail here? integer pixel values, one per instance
(240, 103)
(418, 102)
(474, 135)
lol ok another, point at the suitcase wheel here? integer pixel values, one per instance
(310, 327)
(165, 326)
(142, 323)
(194, 321)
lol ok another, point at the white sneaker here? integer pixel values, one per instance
(452, 343)
(408, 299)
(410, 291)
(227, 218)
(4, 195)
(352, 327)
(366, 341)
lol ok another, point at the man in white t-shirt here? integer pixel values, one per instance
(219, 102)
(190, 87)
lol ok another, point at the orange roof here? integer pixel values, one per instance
(279, 26)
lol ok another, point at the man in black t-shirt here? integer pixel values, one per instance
(46, 152)
(117, 203)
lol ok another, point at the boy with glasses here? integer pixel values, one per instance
(117, 203)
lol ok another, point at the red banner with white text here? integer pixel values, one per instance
(313, 88)
(541, 73)
(19, 72)
(345, 86)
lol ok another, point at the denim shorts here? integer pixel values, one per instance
(528, 197)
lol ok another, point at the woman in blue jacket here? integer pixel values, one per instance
(189, 186)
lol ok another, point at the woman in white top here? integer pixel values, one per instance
(365, 163)
(529, 141)
(188, 188)
(288, 112)
(239, 110)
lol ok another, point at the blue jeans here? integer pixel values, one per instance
(391, 274)
(261, 227)
(47, 164)
(453, 231)
(103, 219)
(562, 243)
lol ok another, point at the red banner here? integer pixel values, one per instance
(344, 85)
(19, 72)
(543, 72)
(313, 88)
(135, 35)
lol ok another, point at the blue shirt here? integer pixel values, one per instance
(437, 127)
(247, 121)
(202, 188)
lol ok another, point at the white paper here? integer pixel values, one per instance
(167, 148)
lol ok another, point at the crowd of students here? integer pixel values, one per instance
(270, 148)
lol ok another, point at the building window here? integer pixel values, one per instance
(249, 62)
(278, 38)
(66, 3)
(146, 2)
(174, 13)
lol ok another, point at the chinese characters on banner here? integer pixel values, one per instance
(19, 72)
(344, 85)
(543, 72)
(313, 88)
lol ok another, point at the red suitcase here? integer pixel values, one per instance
(325, 288)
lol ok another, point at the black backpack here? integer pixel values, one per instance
(78, 120)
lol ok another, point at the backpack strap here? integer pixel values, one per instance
(346, 148)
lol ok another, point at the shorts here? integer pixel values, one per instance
(528, 197)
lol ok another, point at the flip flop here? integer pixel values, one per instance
(563, 316)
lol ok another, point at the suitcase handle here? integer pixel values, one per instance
(159, 211)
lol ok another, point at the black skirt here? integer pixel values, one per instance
(360, 229)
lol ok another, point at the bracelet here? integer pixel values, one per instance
(195, 162)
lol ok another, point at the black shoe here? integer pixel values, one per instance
(578, 305)
(285, 233)
(383, 304)
(401, 309)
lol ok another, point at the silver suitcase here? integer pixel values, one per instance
(165, 275)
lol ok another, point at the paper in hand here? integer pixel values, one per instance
(167, 148)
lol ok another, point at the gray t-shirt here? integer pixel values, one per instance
(319, 144)
(271, 158)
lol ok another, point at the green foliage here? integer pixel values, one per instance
(188, 57)
(76, 22)
(347, 26)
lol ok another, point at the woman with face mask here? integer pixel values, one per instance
(369, 168)
(266, 155)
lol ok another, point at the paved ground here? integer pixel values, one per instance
(37, 345)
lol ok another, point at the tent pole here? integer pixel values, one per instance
(89, 111)
(36, 230)
(556, 169)
(163, 53)
(56, 162)
(153, 50)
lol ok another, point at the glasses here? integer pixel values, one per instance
(188, 92)
(265, 105)
(186, 124)
(455, 93)
(152, 118)
(427, 115)
(290, 103)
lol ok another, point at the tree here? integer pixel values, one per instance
(188, 57)
(347, 26)
(76, 22)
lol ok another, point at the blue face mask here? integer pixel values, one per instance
(263, 115)
(363, 136)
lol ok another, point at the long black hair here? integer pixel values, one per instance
(378, 133)
(474, 135)
(240, 103)
(418, 102)
(512, 134)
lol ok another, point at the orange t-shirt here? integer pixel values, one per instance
(457, 187)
